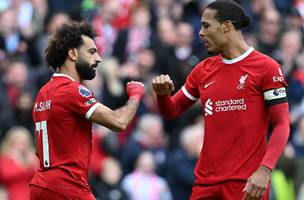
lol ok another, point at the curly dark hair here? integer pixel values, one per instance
(230, 10)
(66, 37)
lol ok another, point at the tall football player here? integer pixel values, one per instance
(241, 91)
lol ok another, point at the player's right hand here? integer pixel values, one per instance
(257, 184)
(162, 85)
(135, 89)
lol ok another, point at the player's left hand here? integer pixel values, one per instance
(257, 184)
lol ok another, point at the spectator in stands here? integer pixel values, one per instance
(149, 136)
(182, 162)
(107, 185)
(143, 183)
(296, 82)
(269, 30)
(297, 140)
(290, 47)
(17, 163)
(10, 38)
(130, 41)
(23, 111)
(17, 80)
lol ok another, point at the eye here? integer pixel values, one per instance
(92, 51)
(205, 25)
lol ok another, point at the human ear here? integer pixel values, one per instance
(227, 26)
(73, 54)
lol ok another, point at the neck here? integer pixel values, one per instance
(70, 70)
(235, 46)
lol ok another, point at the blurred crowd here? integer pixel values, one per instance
(153, 159)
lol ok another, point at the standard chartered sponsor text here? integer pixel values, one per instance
(230, 105)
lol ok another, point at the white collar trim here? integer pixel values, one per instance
(63, 75)
(241, 57)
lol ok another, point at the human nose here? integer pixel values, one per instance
(202, 33)
(98, 58)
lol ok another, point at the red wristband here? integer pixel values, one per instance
(135, 90)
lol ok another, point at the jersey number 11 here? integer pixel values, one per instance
(41, 128)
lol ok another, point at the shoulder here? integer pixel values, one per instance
(264, 60)
(72, 91)
(83, 91)
(261, 64)
(206, 65)
(209, 62)
(60, 84)
(75, 88)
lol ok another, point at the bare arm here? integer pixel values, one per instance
(118, 120)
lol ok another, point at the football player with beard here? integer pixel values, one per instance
(64, 111)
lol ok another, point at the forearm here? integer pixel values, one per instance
(279, 117)
(172, 107)
(125, 114)
(119, 119)
(116, 120)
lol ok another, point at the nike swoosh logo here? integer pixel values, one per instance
(208, 84)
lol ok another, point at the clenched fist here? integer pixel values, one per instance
(135, 89)
(162, 85)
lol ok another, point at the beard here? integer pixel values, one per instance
(212, 52)
(85, 70)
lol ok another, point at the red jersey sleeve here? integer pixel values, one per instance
(191, 89)
(274, 91)
(279, 117)
(274, 84)
(273, 77)
(84, 102)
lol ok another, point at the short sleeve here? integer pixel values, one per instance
(84, 102)
(274, 84)
(190, 88)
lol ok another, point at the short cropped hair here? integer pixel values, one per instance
(67, 36)
(230, 10)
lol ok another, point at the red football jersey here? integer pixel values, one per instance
(234, 94)
(63, 135)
